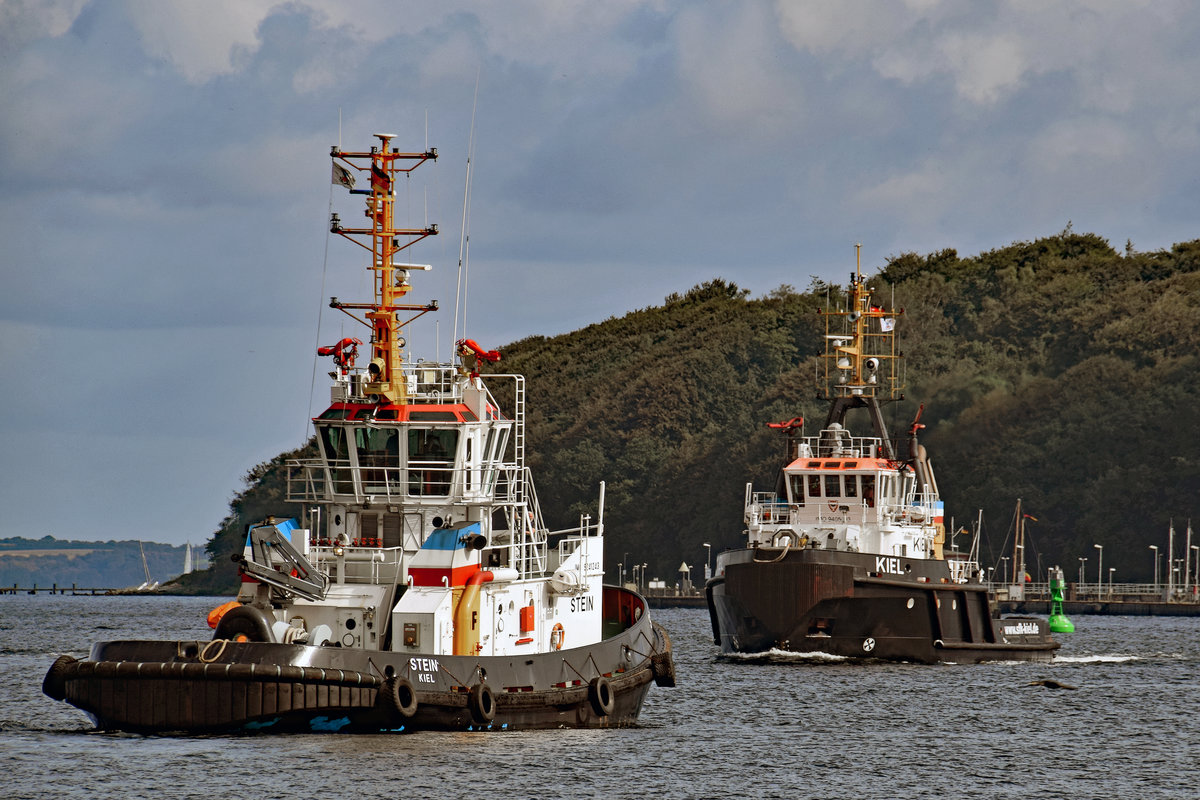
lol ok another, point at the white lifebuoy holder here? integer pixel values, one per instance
(557, 635)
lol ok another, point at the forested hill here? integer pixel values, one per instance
(1058, 371)
(46, 562)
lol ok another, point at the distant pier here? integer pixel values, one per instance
(1125, 599)
(673, 600)
(1131, 599)
(1130, 608)
(54, 588)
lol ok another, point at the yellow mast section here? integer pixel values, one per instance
(382, 164)
(861, 359)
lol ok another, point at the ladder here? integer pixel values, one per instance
(519, 434)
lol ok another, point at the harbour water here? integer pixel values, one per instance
(766, 726)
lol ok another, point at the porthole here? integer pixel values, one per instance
(911, 602)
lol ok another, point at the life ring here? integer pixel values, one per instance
(600, 695)
(399, 696)
(481, 700)
(557, 636)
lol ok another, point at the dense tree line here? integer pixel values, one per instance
(1058, 371)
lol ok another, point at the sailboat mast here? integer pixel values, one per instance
(1187, 560)
(145, 566)
(974, 556)
(1170, 560)
(1019, 545)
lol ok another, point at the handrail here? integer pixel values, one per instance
(316, 481)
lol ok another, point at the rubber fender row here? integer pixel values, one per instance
(62, 671)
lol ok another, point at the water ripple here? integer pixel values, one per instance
(767, 725)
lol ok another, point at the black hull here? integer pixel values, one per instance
(227, 687)
(858, 605)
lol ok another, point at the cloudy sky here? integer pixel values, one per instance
(165, 188)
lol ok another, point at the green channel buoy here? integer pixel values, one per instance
(1058, 620)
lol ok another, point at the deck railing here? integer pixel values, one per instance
(1103, 592)
(840, 444)
(313, 481)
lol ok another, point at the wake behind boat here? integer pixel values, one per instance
(846, 556)
(425, 590)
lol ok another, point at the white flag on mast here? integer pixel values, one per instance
(343, 176)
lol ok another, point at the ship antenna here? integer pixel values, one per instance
(464, 241)
(312, 387)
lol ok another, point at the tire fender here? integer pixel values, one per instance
(600, 695)
(481, 700)
(399, 697)
(663, 666)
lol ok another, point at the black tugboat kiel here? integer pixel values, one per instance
(846, 556)
(426, 592)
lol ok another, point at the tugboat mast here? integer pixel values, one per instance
(382, 164)
(861, 362)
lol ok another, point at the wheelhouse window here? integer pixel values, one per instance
(868, 490)
(814, 485)
(796, 489)
(888, 487)
(335, 444)
(431, 454)
(378, 449)
(851, 484)
(493, 452)
(833, 485)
